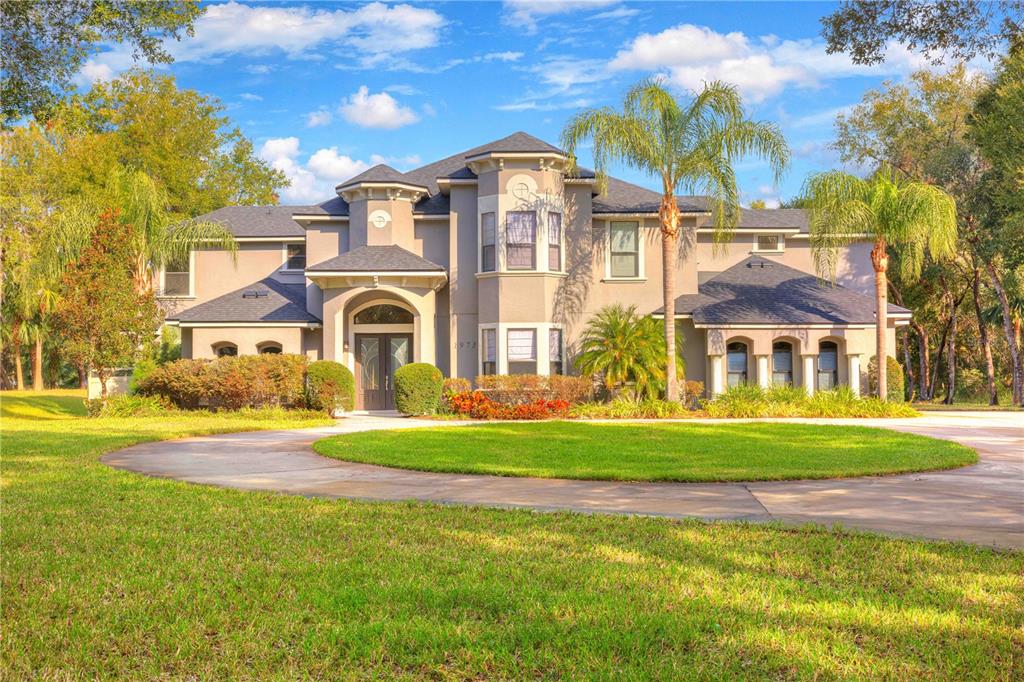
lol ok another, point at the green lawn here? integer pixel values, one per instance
(652, 452)
(107, 574)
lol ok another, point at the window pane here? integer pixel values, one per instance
(487, 229)
(624, 237)
(488, 350)
(826, 381)
(520, 257)
(176, 283)
(487, 259)
(369, 354)
(625, 265)
(737, 379)
(555, 344)
(521, 233)
(383, 314)
(768, 243)
(296, 257)
(522, 367)
(522, 345)
(554, 228)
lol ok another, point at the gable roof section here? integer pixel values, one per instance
(259, 221)
(759, 291)
(370, 259)
(273, 302)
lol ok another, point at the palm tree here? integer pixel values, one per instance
(159, 236)
(689, 146)
(913, 218)
(625, 348)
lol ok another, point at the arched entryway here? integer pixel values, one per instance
(382, 341)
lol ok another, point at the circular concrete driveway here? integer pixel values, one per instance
(982, 503)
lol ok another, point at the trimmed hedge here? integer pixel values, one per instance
(418, 389)
(519, 389)
(791, 401)
(230, 383)
(330, 386)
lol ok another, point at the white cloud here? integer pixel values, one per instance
(534, 105)
(258, 69)
(502, 57)
(250, 97)
(402, 89)
(320, 117)
(617, 13)
(315, 180)
(379, 110)
(525, 13)
(375, 32)
(689, 56)
(562, 74)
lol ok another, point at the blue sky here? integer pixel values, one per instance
(325, 90)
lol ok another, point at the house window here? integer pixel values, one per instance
(521, 234)
(736, 363)
(383, 313)
(295, 257)
(225, 349)
(178, 277)
(522, 351)
(270, 347)
(782, 363)
(488, 352)
(555, 351)
(555, 241)
(828, 365)
(624, 248)
(487, 242)
(771, 243)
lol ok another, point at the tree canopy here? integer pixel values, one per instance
(46, 42)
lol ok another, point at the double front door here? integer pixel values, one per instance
(377, 358)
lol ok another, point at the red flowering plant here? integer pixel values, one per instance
(477, 405)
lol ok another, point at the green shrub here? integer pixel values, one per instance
(895, 390)
(622, 408)
(749, 401)
(266, 380)
(418, 388)
(142, 369)
(135, 406)
(330, 386)
(571, 389)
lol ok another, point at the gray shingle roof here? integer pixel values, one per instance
(759, 291)
(275, 302)
(377, 259)
(379, 173)
(259, 221)
(625, 197)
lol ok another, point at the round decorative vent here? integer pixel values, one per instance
(380, 219)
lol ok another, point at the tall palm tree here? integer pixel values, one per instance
(159, 236)
(912, 218)
(689, 146)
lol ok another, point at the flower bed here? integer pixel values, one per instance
(476, 405)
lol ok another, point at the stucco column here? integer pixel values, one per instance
(716, 374)
(854, 371)
(809, 374)
(764, 377)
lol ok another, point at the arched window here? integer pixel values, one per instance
(828, 365)
(225, 349)
(736, 362)
(383, 314)
(272, 347)
(782, 363)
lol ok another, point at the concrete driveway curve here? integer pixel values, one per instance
(982, 503)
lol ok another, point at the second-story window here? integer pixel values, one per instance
(521, 240)
(487, 243)
(624, 247)
(295, 258)
(555, 241)
(178, 278)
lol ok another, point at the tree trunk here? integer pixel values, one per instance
(951, 357)
(986, 343)
(37, 364)
(1011, 337)
(83, 377)
(19, 374)
(669, 218)
(907, 364)
(880, 261)
(923, 358)
(102, 374)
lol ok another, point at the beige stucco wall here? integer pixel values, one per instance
(246, 338)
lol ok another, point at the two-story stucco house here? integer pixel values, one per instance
(493, 259)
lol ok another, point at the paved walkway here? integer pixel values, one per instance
(983, 503)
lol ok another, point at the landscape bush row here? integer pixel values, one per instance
(248, 381)
(791, 401)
